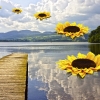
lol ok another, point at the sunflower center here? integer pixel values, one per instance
(72, 29)
(83, 63)
(17, 10)
(42, 15)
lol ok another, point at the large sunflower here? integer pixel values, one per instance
(80, 65)
(42, 15)
(17, 10)
(71, 29)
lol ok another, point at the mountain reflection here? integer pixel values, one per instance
(61, 87)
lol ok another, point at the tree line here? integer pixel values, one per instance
(94, 36)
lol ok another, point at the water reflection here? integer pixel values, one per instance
(95, 48)
(47, 82)
(59, 85)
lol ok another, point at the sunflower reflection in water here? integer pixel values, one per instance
(72, 30)
(80, 65)
(17, 10)
(42, 15)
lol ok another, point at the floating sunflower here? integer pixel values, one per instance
(42, 15)
(71, 29)
(80, 65)
(0, 7)
(17, 10)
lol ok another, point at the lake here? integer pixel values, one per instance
(45, 80)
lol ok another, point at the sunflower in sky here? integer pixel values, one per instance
(72, 30)
(0, 7)
(42, 15)
(17, 10)
(80, 65)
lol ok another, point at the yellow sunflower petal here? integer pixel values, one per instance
(75, 71)
(85, 29)
(72, 36)
(73, 57)
(98, 60)
(66, 24)
(95, 59)
(62, 67)
(67, 34)
(89, 71)
(77, 34)
(90, 56)
(69, 70)
(73, 24)
(80, 26)
(97, 67)
(63, 64)
(80, 55)
(72, 70)
(82, 74)
(59, 27)
(70, 58)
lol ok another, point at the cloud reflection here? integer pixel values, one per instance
(61, 87)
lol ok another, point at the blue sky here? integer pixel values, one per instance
(86, 12)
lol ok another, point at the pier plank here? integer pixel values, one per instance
(13, 76)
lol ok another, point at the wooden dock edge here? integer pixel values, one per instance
(14, 76)
(26, 89)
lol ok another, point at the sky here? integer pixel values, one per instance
(84, 12)
(25, 3)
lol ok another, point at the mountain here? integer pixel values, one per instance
(36, 36)
(17, 34)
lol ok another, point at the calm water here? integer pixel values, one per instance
(45, 80)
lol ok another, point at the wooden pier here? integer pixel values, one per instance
(13, 77)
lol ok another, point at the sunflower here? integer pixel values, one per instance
(71, 29)
(80, 65)
(17, 10)
(0, 7)
(42, 15)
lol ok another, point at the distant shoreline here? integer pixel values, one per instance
(19, 44)
(23, 44)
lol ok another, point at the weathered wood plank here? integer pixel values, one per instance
(13, 76)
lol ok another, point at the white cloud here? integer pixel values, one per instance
(80, 11)
(94, 21)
